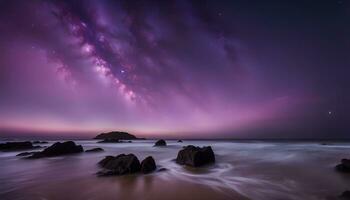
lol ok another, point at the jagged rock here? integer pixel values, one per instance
(58, 149)
(344, 166)
(148, 165)
(195, 156)
(119, 165)
(160, 143)
(14, 146)
(116, 135)
(94, 150)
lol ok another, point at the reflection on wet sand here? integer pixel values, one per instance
(126, 187)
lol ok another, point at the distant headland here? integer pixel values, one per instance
(118, 135)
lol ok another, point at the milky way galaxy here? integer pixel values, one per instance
(209, 69)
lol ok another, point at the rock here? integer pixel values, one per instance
(344, 166)
(14, 146)
(345, 195)
(58, 149)
(119, 165)
(195, 156)
(110, 140)
(39, 142)
(179, 141)
(26, 153)
(94, 150)
(160, 143)
(116, 135)
(104, 161)
(162, 169)
(148, 165)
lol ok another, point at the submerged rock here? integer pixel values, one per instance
(94, 150)
(344, 166)
(162, 169)
(14, 146)
(119, 165)
(26, 153)
(148, 165)
(58, 149)
(195, 156)
(160, 143)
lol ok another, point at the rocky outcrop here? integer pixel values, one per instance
(195, 156)
(94, 150)
(160, 143)
(148, 165)
(344, 166)
(58, 149)
(119, 165)
(179, 141)
(15, 146)
(125, 164)
(116, 135)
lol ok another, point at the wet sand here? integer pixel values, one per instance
(126, 187)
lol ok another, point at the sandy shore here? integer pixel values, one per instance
(125, 187)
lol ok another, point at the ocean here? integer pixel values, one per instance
(249, 169)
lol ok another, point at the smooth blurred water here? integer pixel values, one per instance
(254, 169)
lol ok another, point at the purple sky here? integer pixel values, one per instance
(189, 69)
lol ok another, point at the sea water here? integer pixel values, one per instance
(261, 170)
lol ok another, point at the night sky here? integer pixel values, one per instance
(189, 69)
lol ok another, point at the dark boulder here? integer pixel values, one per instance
(344, 166)
(345, 195)
(195, 156)
(94, 150)
(179, 141)
(14, 146)
(119, 165)
(116, 135)
(110, 140)
(148, 165)
(160, 143)
(58, 149)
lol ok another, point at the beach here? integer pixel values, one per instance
(243, 170)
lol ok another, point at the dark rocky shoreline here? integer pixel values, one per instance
(124, 164)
